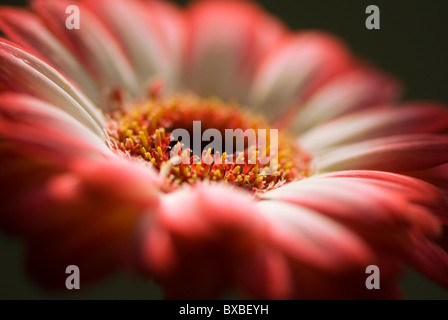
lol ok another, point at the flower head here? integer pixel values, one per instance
(101, 167)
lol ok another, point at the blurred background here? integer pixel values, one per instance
(411, 44)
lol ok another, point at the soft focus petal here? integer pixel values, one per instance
(386, 211)
(438, 174)
(92, 44)
(151, 33)
(22, 72)
(274, 275)
(394, 154)
(294, 68)
(360, 88)
(314, 257)
(199, 238)
(375, 123)
(18, 176)
(311, 237)
(76, 196)
(225, 43)
(431, 260)
(39, 128)
(83, 218)
(369, 199)
(27, 29)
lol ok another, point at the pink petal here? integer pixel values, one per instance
(198, 219)
(84, 218)
(196, 237)
(360, 88)
(32, 123)
(28, 31)
(312, 238)
(368, 199)
(375, 123)
(151, 34)
(394, 154)
(92, 44)
(22, 72)
(221, 60)
(37, 141)
(417, 189)
(294, 68)
(430, 195)
(142, 182)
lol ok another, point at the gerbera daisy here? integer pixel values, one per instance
(91, 175)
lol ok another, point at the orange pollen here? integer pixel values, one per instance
(245, 150)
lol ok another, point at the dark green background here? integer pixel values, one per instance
(412, 44)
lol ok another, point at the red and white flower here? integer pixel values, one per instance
(83, 114)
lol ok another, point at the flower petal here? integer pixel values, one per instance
(91, 43)
(294, 68)
(431, 260)
(27, 30)
(394, 154)
(193, 241)
(151, 34)
(18, 176)
(33, 123)
(24, 73)
(312, 238)
(375, 123)
(269, 275)
(221, 60)
(325, 259)
(360, 88)
(437, 175)
(274, 275)
(389, 203)
(387, 211)
(83, 218)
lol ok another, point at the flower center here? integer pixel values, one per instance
(188, 139)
